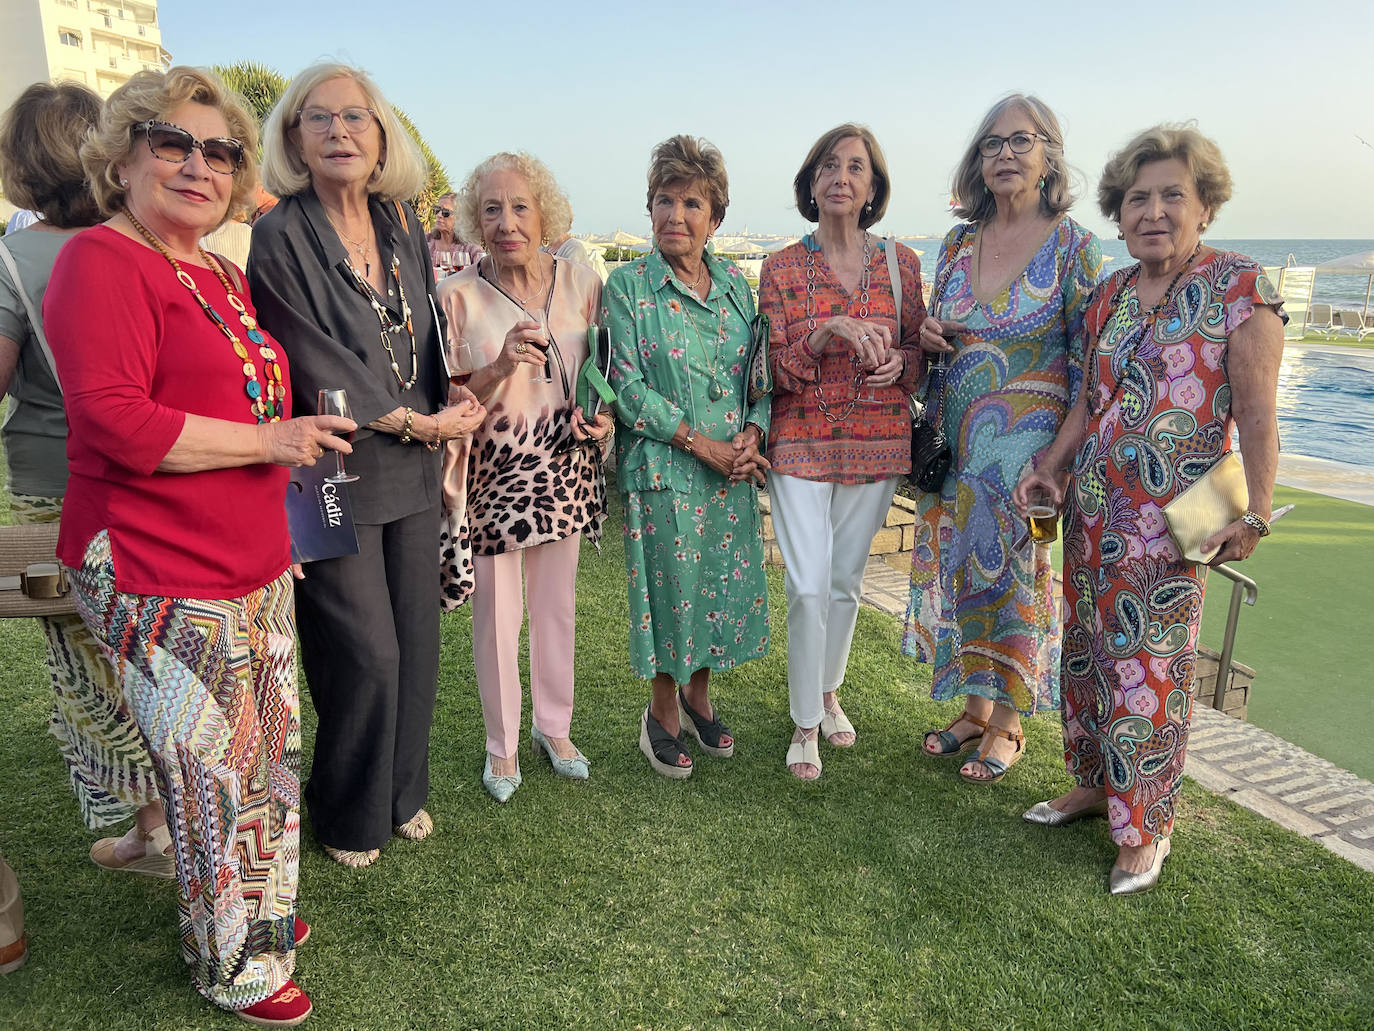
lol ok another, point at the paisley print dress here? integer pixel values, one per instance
(981, 608)
(1133, 603)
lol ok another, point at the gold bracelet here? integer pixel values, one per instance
(438, 441)
(690, 441)
(409, 425)
(1257, 522)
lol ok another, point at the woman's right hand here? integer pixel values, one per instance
(934, 331)
(303, 441)
(1055, 484)
(718, 454)
(524, 345)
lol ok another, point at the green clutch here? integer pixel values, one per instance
(593, 392)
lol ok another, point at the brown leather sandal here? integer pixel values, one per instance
(996, 767)
(950, 746)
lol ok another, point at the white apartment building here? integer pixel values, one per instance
(98, 42)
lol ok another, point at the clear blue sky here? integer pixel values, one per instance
(1284, 88)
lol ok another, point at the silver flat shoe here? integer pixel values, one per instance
(1125, 883)
(576, 768)
(1048, 816)
(500, 787)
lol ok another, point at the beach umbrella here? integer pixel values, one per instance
(1358, 264)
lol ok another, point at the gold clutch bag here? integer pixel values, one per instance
(1218, 498)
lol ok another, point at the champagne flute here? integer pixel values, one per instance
(335, 402)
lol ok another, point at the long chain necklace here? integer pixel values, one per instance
(266, 400)
(712, 354)
(858, 377)
(1139, 331)
(389, 325)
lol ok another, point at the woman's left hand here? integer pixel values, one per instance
(889, 371)
(463, 414)
(1237, 541)
(599, 429)
(749, 463)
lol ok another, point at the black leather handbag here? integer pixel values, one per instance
(931, 454)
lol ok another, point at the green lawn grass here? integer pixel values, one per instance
(1310, 635)
(889, 894)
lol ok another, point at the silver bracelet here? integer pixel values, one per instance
(1257, 521)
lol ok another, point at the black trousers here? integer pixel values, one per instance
(369, 629)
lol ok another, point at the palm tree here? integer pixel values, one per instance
(261, 87)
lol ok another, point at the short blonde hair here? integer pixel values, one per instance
(801, 184)
(690, 159)
(1200, 155)
(973, 202)
(40, 152)
(400, 173)
(149, 96)
(555, 213)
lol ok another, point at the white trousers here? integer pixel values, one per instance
(824, 532)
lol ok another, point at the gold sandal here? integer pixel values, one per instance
(996, 767)
(351, 859)
(417, 828)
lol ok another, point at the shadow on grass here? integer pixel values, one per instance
(889, 894)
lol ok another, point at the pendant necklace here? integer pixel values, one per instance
(716, 390)
(360, 248)
(266, 399)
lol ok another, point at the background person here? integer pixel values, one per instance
(689, 457)
(446, 250)
(342, 276)
(109, 767)
(529, 497)
(841, 435)
(1016, 279)
(1183, 346)
(173, 521)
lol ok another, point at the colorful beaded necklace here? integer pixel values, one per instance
(388, 326)
(266, 400)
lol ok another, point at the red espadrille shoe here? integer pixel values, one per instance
(287, 1007)
(302, 931)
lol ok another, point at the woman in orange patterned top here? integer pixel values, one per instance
(843, 365)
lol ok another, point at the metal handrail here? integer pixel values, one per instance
(1241, 587)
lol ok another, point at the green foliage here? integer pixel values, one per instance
(261, 87)
(623, 253)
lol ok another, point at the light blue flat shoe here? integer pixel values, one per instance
(576, 768)
(500, 788)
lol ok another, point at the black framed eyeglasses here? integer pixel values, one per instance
(172, 143)
(1020, 143)
(317, 120)
(443, 212)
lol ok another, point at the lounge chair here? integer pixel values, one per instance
(1349, 323)
(1319, 320)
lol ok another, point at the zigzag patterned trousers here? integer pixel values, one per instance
(212, 687)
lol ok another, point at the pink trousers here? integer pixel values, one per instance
(498, 609)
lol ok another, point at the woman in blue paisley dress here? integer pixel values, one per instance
(1183, 347)
(689, 457)
(1011, 287)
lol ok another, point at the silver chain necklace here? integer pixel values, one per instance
(821, 403)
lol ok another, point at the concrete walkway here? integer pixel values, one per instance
(1239, 761)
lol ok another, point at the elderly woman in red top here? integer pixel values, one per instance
(174, 523)
(844, 361)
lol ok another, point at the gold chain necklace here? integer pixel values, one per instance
(266, 400)
(361, 248)
(712, 355)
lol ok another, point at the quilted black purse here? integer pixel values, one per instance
(931, 454)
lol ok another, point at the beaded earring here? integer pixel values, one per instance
(1042, 184)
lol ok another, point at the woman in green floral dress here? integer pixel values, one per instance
(689, 457)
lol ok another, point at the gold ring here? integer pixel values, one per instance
(521, 347)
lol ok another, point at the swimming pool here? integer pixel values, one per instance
(1326, 404)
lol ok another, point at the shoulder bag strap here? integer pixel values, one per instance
(35, 320)
(894, 273)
